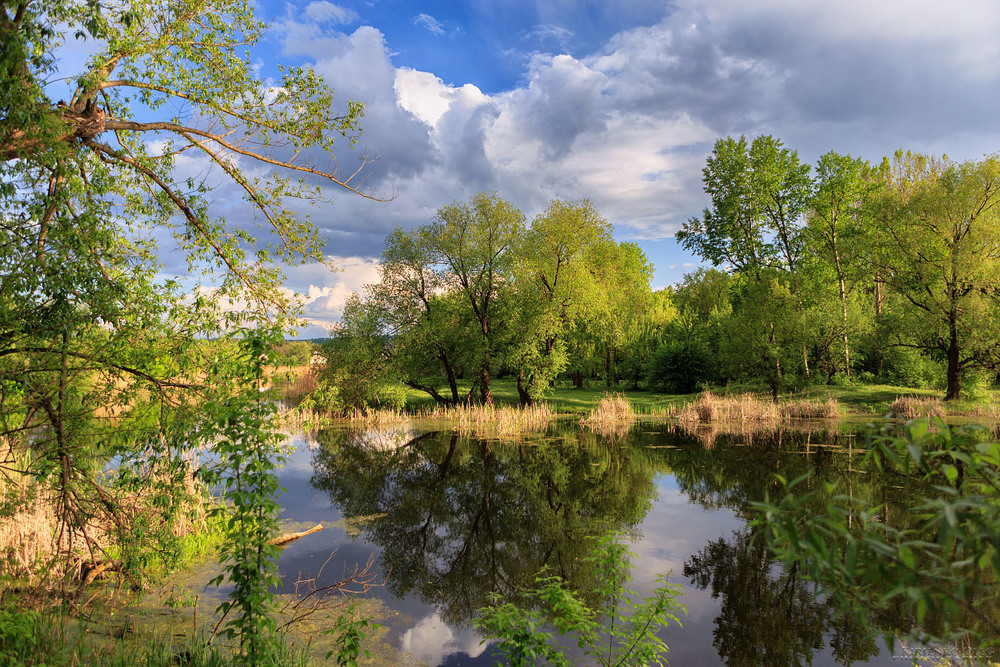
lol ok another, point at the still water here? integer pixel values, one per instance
(450, 519)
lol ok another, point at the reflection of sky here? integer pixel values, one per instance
(672, 531)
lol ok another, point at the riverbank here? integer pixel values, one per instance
(853, 400)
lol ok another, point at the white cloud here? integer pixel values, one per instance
(323, 293)
(431, 24)
(327, 12)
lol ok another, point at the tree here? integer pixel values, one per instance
(758, 191)
(418, 314)
(475, 241)
(941, 248)
(559, 286)
(836, 206)
(90, 185)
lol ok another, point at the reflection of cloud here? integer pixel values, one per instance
(432, 640)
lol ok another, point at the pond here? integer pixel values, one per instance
(450, 518)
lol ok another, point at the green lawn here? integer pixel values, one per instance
(854, 400)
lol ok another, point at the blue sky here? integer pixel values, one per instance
(621, 101)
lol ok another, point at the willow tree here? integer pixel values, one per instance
(941, 248)
(95, 188)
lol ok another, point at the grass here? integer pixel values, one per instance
(485, 420)
(613, 416)
(813, 401)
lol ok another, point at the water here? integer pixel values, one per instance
(450, 519)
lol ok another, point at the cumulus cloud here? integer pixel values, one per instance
(323, 292)
(630, 122)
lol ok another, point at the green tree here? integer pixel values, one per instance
(91, 193)
(759, 190)
(476, 241)
(559, 286)
(835, 209)
(763, 337)
(759, 193)
(941, 240)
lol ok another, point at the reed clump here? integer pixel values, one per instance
(810, 409)
(292, 385)
(380, 418)
(613, 416)
(492, 420)
(912, 407)
(751, 409)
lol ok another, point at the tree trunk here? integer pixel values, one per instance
(452, 382)
(954, 363)
(578, 379)
(484, 386)
(607, 366)
(522, 393)
(843, 322)
(879, 358)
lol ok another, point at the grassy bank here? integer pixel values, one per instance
(854, 400)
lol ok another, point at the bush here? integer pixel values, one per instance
(935, 565)
(683, 363)
(623, 635)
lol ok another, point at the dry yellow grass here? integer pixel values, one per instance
(751, 409)
(613, 416)
(911, 407)
(490, 420)
(37, 547)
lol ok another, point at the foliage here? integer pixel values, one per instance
(99, 355)
(939, 566)
(350, 632)
(477, 294)
(248, 455)
(758, 191)
(685, 360)
(625, 634)
(940, 225)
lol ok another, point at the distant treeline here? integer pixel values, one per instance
(849, 272)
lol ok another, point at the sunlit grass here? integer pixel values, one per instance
(486, 420)
(613, 416)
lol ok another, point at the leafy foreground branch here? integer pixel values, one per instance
(935, 566)
(624, 635)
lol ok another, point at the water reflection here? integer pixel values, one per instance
(769, 615)
(457, 518)
(454, 518)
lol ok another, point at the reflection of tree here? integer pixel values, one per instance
(769, 615)
(457, 518)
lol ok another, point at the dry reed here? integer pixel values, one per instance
(912, 407)
(491, 420)
(613, 416)
(750, 409)
(292, 385)
(38, 545)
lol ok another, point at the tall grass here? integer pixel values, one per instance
(34, 540)
(613, 416)
(912, 407)
(751, 409)
(293, 384)
(492, 420)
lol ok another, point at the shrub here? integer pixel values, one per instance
(625, 634)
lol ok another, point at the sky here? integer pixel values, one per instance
(620, 102)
